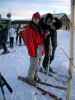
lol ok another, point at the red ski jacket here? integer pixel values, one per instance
(32, 38)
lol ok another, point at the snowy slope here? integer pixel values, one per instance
(17, 63)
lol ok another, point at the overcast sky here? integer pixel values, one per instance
(25, 8)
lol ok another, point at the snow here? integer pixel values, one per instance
(17, 63)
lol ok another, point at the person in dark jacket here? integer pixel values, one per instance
(3, 37)
(49, 24)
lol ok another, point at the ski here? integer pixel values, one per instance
(4, 82)
(48, 84)
(54, 86)
(55, 76)
(56, 73)
(60, 75)
(43, 91)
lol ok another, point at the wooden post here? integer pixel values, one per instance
(69, 89)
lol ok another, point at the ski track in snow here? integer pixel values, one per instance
(17, 63)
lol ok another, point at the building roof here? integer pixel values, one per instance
(20, 21)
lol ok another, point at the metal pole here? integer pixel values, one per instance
(69, 89)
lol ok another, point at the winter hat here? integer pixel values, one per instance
(36, 15)
(48, 16)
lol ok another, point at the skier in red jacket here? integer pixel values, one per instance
(34, 42)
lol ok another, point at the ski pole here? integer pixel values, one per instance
(67, 56)
(3, 93)
(5, 83)
(49, 57)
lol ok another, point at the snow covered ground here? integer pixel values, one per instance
(17, 63)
